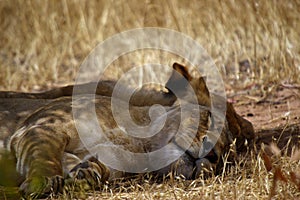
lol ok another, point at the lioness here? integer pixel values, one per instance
(48, 140)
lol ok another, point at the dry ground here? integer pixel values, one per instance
(255, 44)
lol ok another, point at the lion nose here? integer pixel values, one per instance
(207, 160)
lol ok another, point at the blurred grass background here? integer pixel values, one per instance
(44, 42)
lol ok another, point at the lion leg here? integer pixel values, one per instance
(91, 172)
(39, 151)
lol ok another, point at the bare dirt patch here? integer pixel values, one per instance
(276, 117)
(279, 108)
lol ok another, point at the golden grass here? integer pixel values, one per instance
(250, 178)
(44, 42)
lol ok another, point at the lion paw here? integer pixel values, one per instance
(91, 173)
(38, 187)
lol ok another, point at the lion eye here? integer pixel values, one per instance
(207, 150)
(206, 147)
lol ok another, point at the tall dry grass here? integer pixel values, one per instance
(44, 42)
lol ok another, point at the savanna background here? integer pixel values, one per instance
(255, 45)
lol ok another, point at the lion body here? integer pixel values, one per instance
(49, 147)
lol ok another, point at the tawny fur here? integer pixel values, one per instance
(48, 138)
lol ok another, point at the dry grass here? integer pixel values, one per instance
(44, 42)
(250, 178)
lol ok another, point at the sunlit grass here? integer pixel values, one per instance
(44, 42)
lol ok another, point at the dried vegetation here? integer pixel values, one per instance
(255, 44)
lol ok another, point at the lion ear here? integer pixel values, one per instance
(203, 78)
(182, 70)
(179, 78)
